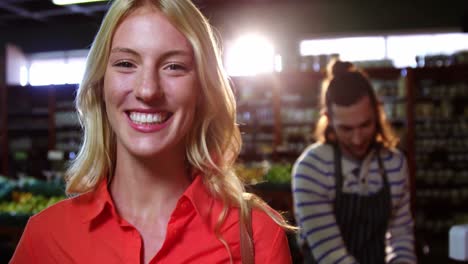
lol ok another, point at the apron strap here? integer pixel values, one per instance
(338, 170)
(382, 170)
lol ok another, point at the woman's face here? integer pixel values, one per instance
(150, 85)
(355, 127)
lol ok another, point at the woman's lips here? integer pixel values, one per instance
(147, 122)
(149, 118)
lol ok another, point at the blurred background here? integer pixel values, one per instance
(415, 53)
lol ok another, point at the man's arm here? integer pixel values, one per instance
(400, 239)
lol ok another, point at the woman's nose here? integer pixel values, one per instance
(149, 87)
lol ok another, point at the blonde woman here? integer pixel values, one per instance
(155, 173)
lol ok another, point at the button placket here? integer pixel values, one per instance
(134, 245)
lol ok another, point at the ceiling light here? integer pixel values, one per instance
(71, 2)
(250, 55)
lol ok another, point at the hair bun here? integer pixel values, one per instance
(341, 67)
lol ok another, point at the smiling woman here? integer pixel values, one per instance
(155, 173)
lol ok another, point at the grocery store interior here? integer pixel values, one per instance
(276, 51)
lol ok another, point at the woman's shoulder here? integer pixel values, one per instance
(270, 239)
(263, 224)
(64, 210)
(49, 221)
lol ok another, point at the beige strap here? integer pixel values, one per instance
(246, 238)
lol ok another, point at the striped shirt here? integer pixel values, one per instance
(313, 187)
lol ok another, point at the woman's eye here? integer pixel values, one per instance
(175, 67)
(124, 64)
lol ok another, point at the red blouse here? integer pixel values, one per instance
(87, 229)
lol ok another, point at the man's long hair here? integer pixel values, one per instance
(345, 85)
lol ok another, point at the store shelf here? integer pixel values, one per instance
(440, 161)
(36, 114)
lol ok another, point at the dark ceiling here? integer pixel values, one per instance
(27, 13)
(33, 13)
(39, 25)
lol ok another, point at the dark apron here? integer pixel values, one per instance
(362, 220)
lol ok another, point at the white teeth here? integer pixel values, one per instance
(144, 118)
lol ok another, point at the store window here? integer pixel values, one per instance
(350, 49)
(411, 50)
(65, 67)
(401, 50)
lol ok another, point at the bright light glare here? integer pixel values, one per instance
(250, 55)
(76, 68)
(349, 49)
(46, 72)
(278, 63)
(56, 71)
(23, 75)
(70, 2)
(400, 49)
(403, 49)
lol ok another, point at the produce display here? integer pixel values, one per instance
(19, 199)
(252, 173)
(261, 172)
(279, 173)
(27, 203)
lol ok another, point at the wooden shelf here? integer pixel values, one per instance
(37, 109)
(452, 73)
(449, 199)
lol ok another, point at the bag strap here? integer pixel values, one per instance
(246, 237)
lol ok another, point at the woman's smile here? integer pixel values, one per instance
(149, 118)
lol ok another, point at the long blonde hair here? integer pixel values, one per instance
(214, 142)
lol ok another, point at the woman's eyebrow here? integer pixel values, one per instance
(172, 53)
(124, 50)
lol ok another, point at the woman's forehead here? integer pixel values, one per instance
(145, 29)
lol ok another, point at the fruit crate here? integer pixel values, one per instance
(19, 199)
